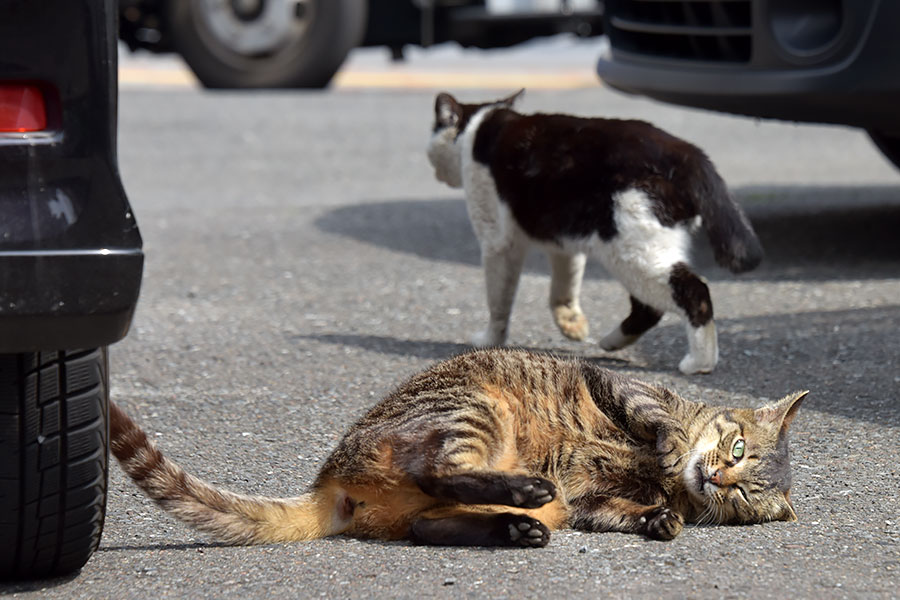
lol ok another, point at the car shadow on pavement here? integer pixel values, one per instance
(809, 233)
(8, 588)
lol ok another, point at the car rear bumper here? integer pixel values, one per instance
(853, 79)
(70, 251)
(67, 299)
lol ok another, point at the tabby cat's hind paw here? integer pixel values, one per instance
(571, 322)
(661, 523)
(524, 531)
(531, 492)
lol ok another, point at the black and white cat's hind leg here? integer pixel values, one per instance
(691, 295)
(684, 293)
(641, 319)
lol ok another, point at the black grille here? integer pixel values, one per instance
(700, 30)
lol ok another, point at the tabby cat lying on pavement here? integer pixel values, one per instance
(497, 448)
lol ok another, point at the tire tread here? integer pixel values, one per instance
(53, 460)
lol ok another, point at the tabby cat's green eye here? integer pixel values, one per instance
(738, 451)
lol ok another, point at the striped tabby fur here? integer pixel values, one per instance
(498, 447)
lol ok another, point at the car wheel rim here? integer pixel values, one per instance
(253, 29)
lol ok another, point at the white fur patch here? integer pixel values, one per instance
(444, 157)
(643, 251)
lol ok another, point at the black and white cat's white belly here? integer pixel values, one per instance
(641, 253)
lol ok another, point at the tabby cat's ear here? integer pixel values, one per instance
(447, 111)
(781, 413)
(508, 102)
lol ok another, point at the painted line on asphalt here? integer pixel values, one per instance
(387, 79)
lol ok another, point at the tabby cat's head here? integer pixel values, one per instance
(450, 119)
(738, 469)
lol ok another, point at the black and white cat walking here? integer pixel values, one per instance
(623, 191)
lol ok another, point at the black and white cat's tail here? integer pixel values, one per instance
(731, 235)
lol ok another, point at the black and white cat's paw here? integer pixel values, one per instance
(693, 365)
(661, 523)
(704, 350)
(524, 531)
(616, 340)
(488, 339)
(571, 322)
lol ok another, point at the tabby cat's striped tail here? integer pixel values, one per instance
(231, 518)
(733, 240)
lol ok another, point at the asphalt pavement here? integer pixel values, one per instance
(301, 260)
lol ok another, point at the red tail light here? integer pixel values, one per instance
(22, 108)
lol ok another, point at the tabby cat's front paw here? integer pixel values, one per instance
(571, 322)
(672, 451)
(661, 523)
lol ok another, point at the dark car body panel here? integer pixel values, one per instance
(833, 61)
(70, 250)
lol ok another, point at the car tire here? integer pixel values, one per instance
(53, 460)
(306, 58)
(888, 144)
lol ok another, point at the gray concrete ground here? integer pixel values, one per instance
(301, 261)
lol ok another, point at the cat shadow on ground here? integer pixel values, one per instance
(809, 233)
(196, 546)
(427, 349)
(846, 358)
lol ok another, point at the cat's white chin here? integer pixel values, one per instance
(693, 479)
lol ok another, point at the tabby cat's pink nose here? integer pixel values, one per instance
(716, 478)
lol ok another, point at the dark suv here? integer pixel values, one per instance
(829, 61)
(70, 272)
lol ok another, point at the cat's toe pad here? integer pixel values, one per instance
(571, 322)
(527, 532)
(662, 523)
(531, 492)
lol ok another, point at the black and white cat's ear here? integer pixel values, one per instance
(509, 101)
(447, 111)
(781, 413)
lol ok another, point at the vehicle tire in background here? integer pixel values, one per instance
(888, 144)
(265, 43)
(53, 460)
